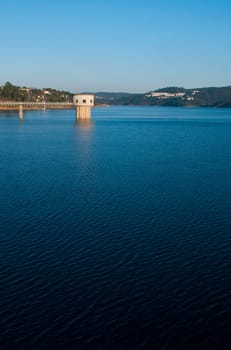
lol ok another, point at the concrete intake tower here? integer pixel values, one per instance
(83, 104)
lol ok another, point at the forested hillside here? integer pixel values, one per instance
(10, 92)
(169, 96)
(172, 96)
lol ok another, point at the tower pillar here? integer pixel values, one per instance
(20, 112)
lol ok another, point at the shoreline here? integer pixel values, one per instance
(37, 108)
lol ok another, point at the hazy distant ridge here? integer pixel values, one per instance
(168, 96)
(171, 96)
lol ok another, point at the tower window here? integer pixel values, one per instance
(84, 101)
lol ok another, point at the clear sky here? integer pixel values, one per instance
(115, 45)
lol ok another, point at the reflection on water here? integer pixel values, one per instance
(84, 135)
(84, 124)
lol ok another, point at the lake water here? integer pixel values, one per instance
(116, 234)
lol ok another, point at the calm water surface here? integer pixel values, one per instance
(116, 235)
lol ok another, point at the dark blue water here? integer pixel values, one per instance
(116, 235)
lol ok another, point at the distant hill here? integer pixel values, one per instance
(119, 98)
(171, 96)
(168, 96)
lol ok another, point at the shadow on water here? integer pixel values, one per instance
(7, 114)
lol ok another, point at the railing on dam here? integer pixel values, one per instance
(33, 105)
(36, 104)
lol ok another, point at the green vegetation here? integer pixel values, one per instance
(169, 96)
(10, 92)
(172, 96)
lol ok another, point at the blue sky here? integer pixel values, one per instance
(99, 45)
